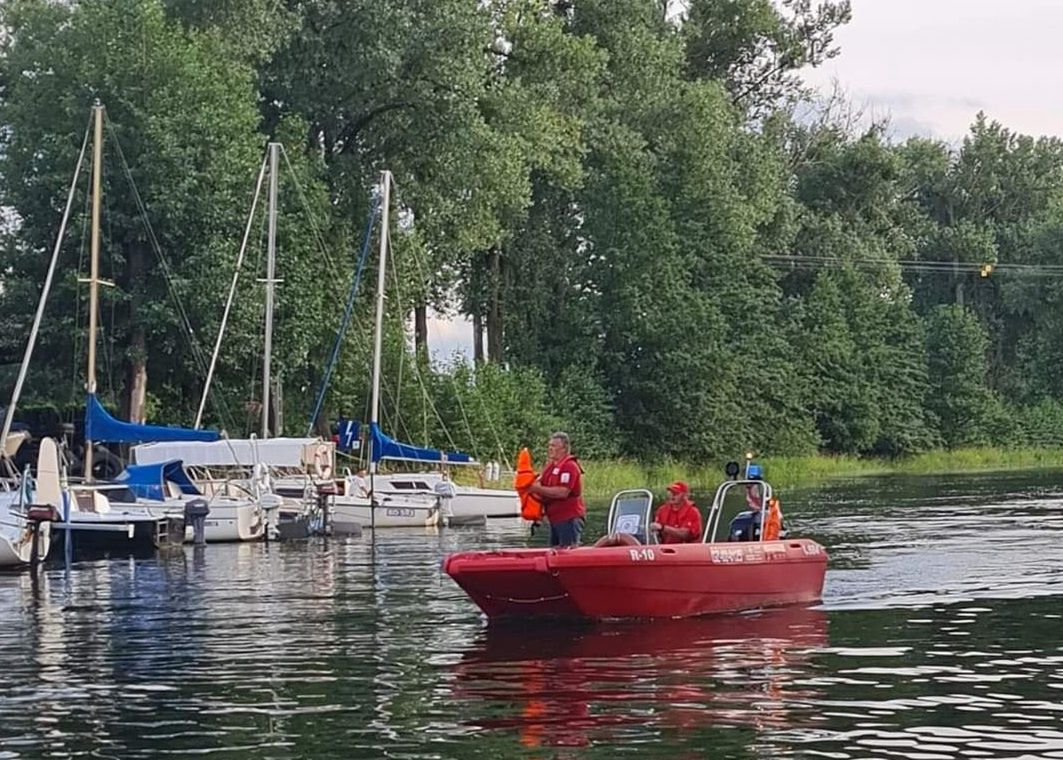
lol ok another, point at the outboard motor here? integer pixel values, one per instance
(744, 527)
(196, 512)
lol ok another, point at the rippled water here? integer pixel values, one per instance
(938, 638)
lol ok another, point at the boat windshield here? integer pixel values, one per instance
(630, 513)
(732, 499)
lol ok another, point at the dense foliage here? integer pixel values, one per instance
(654, 251)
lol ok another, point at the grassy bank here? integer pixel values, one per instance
(604, 478)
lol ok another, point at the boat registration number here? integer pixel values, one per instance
(729, 555)
(642, 555)
(399, 512)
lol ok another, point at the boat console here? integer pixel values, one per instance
(740, 507)
(739, 511)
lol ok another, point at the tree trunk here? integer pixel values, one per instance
(477, 338)
(494, 306)
(138, 376)
(137, 354)
(420, 330)
(276, 400)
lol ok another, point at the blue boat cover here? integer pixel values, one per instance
(148, 481)
(385, 447)
(101, 426)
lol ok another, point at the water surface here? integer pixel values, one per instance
(938, 638)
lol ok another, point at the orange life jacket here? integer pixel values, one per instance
(531, 508)
(773, 522)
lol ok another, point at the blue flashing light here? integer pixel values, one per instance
(754, 472)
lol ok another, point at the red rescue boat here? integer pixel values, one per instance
(730, 569)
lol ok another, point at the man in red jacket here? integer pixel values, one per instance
(560, 489)
(678, 520)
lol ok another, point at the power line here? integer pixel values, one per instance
(917, 265)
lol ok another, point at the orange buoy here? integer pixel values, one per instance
(531, 508)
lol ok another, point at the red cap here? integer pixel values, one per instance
(679, 487)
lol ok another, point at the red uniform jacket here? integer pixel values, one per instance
(687, 516)
(564, 473)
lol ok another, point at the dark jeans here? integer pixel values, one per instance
(566, 533)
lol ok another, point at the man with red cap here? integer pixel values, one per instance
(678, 520)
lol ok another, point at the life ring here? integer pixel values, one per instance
(322, 462)
(618, 539)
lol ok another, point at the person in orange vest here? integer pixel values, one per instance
(678, 520)
(560, 488)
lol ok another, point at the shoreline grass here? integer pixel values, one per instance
(603, 478)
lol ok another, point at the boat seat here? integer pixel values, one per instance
(745, 526)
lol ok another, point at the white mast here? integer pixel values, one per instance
(378, 335)
(232, 294)
(271, 263)
(94, 266)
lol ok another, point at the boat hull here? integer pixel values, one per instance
(484, 502)
(91, 535)
(17, 549)
(391, 513)
(229, 523)
(469, 505)
(641, 581)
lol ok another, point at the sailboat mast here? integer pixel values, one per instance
(271, 267)
(378, 334)
(232, 291)
(94, 265)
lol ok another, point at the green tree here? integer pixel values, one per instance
(182, 129)
(959, 397)
(755, 47)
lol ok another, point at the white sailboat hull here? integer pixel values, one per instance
(469, 503)
(388, 513)
(16, 545)
(232, 522)
(485, 502)
(229, 520)
(17, 535)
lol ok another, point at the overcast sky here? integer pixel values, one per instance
(931, 65)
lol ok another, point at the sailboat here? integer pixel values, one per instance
(19, 491)
(294, 473)
(468, 505)
(158, 492)
(460, 504)
(380, 508)
(114, 515)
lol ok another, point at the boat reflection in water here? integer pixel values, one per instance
(570, 686)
